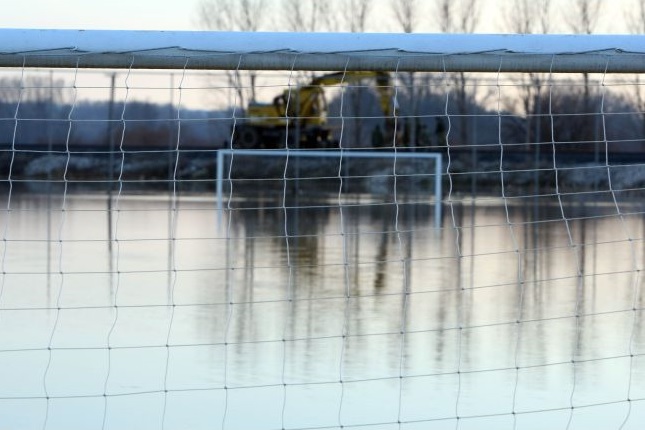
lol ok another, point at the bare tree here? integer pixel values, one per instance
(43, 100)
(406, 13)
(583, 16)
(528, 16)
(309, 15)
(358, 13)
(235, 15)
(230, 15)
(635, 17)
(468, 16)
(444, 16)
(458, 16)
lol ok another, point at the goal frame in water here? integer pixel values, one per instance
(341, 155)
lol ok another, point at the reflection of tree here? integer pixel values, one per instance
(260, 220)
(303, 227)
(445, 274)
(382, 249)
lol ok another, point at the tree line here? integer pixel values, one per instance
(409, 16)
(36, 110)
(525, 113)
(578, 115)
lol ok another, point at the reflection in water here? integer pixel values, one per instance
(302, 313)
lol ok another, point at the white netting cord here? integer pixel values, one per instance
(61, 240)
(230, 261)
(115, 240)
(174, 215)
(575, 249)
(516, 249)
(289, 290)
(5, 232)
(457, 247)
(347, 294)
(404, 259)
(635, 270)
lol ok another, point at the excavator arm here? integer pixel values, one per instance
(382, 79)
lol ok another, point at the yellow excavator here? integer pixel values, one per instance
(302, 112)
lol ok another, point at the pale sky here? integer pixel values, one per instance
(98, 14)
(182, 15)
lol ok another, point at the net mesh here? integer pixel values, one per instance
(309, 250)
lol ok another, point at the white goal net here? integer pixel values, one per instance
(290, 231)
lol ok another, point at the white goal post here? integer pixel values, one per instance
(321, 51)
(307, 231)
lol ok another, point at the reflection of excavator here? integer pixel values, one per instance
(303, 112)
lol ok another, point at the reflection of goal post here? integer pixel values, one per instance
(123, 301)
(436, 167)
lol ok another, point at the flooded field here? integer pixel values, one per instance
(144, 311)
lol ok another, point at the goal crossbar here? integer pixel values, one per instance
(119, 49)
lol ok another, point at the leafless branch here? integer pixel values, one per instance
(635, 17)
(308, 15)
(358, 12)
(458, 16)
(242, 15)
(528, 16)
(583, 16)
(406, 13)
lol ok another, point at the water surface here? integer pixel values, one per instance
(143, 312)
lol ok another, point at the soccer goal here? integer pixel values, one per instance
(280, 231)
